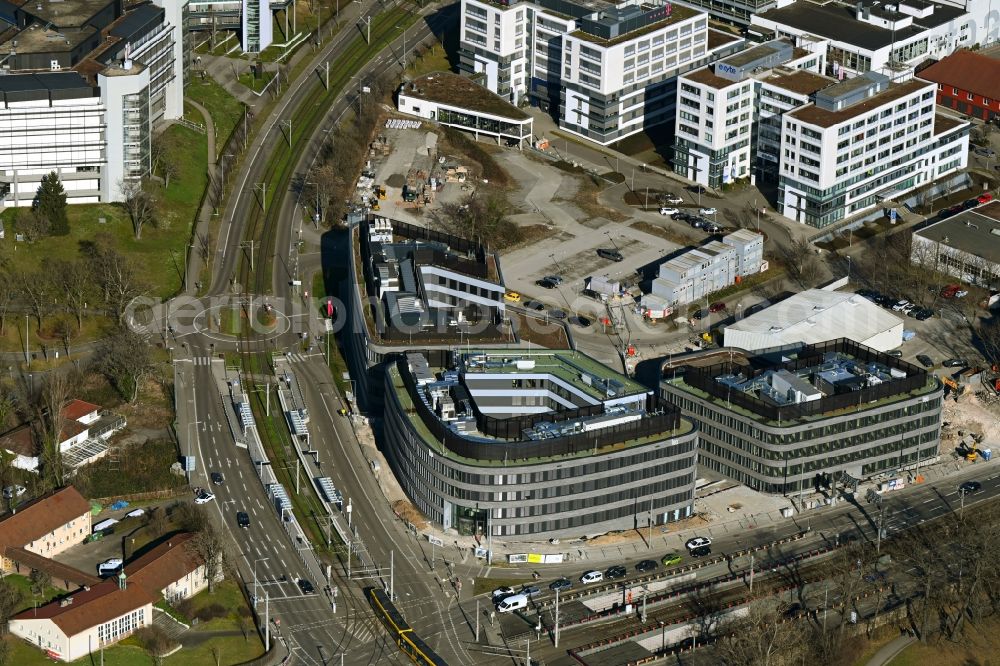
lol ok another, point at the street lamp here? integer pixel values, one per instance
(260, 559)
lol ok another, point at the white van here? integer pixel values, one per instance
(510, 604)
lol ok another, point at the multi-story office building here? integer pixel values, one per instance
(693, 275)
(534, 443)
(81, 91)
(788, 420)
(718, 106)
(603, 70)
(862, 142)
(870, 35)
(252, 20)
(835, 147)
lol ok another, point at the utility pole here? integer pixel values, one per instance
(348, 558)
(263, 197)
(368, 34)
(288, 123)
(881, 522)
(392, 571)
(826, 596)
(27, 357)
(298, 464)
(267, 623)
(649, 520)
(751, 573)
(556, 633)
(477, 616)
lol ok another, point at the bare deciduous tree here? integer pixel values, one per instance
(139, 203)
(758, 638)
(125, 361)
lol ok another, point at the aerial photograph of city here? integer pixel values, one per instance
(499, 332)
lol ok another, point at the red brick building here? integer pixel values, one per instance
(967, 82)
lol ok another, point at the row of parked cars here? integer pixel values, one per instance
(507, 599)
(983, 198)
(698, 221)
(900, 305)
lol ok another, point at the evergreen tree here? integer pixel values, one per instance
(50, 202)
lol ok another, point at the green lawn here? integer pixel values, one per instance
(160, 253)
(232, 650)
(225, 109)
(258, 84)
(24, 584)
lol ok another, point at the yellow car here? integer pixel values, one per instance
(671, 559)
(512, 296)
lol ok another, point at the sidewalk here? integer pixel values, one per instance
(891, 650)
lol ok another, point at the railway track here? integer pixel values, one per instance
(254, 271)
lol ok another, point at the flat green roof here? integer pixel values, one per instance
(686, 426)
(566, 364)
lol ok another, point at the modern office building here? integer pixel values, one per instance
(815, 316)
(252, 20)
(967, 82)
(84, 84)
(797, 418)
(835, 148)
(966, 246)
(605, 71)
(429, 282)
(869, 36)
(456, 101)
(694, 274)
(719, 106)
(525, 444)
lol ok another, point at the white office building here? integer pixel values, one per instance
(870, 35)
(863, 142)
(698, 272)
(81, 93)
(718, 106)
(603, 71)
(251, 20)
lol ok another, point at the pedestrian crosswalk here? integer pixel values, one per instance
(203, 360)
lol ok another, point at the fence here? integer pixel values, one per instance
(704, 379)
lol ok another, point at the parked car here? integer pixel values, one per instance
(718, 306)
(986, 152)
(698, 314)
(546, 283)
(707, 211)
(895, 352)
(645, 565)
(961, 293)
(970, 203)
(970, 487)
(109, 567)
(673, 199)
(985, 197)
(923, 313)
(512, 296)
(555, 279)
(204, 497)
(668, 211)
(580, 321)
(925, 360)
(680, 216)
(899, 305)
(592, 577)
(670, 559)
(561, 584)
(556, 313)
(613, 255)
(534, 305)
(617, 571)
(531, 591)
(512, 603)
(954, 363)
(306, 586)
(14, 491)
(242, 519)
(502, 593)
(950, 290)
(697, 542)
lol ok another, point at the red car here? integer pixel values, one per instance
(985, 197)
(717, 307)
(950, 291)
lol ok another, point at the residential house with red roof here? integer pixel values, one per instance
(967, 82)
(102, 614)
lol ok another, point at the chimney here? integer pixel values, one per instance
(121, 579)
(68, 601)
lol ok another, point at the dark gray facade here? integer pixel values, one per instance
(798, 454)
(586, 491)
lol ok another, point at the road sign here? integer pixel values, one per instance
(437, 541)
(892, 216)
(189, 463)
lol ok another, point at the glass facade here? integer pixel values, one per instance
(135, 135)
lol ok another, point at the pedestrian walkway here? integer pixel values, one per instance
(891, 650)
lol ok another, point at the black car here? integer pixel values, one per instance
(217, 478)
(306, 586)
(701, 551)
(645, 565)
(953, 363)
(895, 352)
(680, 216)
(617, 571)
(698, 314)
(580, 321)
(534, 305)
(923, 313)
(546, 283)
(613, 255)
(557, 314)
(560, 584)
(870, 294)
(970, 203)
(925, 360)
(969, 487)
(242, 519)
